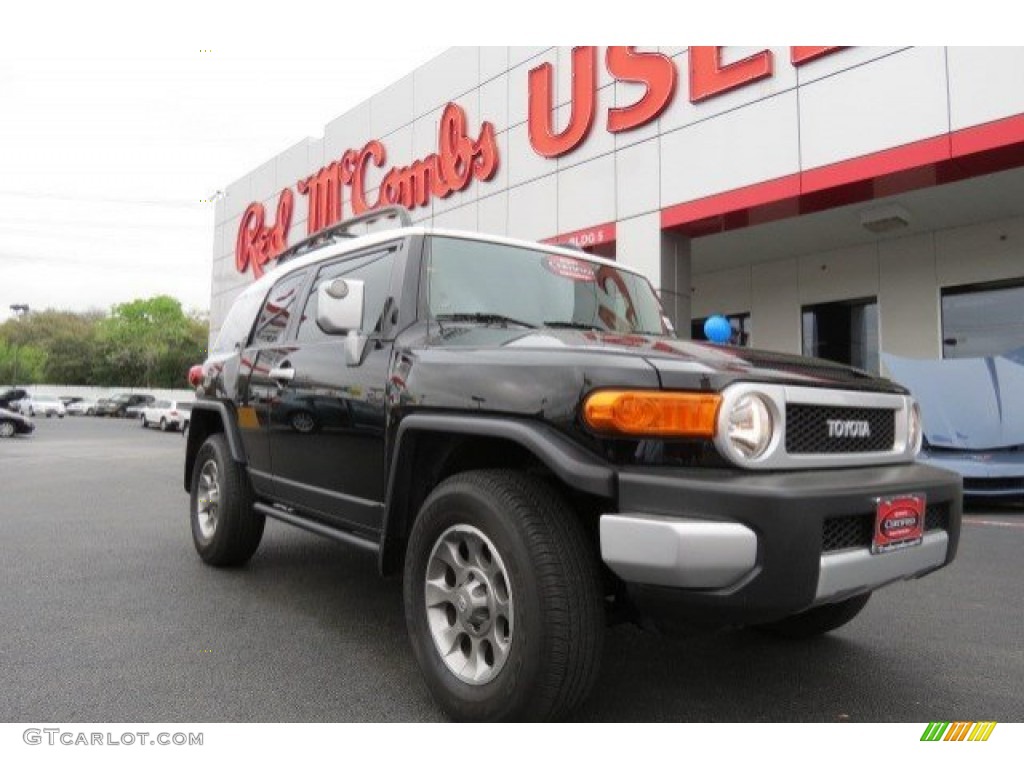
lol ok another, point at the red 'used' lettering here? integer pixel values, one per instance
(584, 83)
(709, 77)
(655, 71)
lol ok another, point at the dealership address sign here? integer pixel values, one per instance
(460, 158)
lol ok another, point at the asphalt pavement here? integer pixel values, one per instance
(108, 615)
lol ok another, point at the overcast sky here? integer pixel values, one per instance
(118, 119)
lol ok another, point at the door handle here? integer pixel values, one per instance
(281, 375)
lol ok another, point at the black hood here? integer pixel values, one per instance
(677, 361)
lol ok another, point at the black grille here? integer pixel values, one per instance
(852, 531)
(936, 518)
(857, 531)
(807, 429)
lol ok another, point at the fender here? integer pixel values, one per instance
(569, 462)
(205, 413)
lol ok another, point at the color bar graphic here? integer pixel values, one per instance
(959, 731)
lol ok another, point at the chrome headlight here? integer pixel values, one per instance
(915, 429)
(749, 426)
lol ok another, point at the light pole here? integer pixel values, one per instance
(19, 310)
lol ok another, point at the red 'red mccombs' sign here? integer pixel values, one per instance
(458, 161)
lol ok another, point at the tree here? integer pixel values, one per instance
(149, 342)
(21, 363)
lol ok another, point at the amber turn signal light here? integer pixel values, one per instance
(652, 413)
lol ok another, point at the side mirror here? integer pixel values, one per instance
(339, 309)
(339, 305)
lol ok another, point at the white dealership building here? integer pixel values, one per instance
(836, 201)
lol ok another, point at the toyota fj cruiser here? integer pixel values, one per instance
(516, 430)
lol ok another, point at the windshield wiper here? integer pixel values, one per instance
(574, 324)
(483, 317)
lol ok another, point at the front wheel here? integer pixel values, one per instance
(817, 621)
(226, 530)
(7, 429)
(503, 599)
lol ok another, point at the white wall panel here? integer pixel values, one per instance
(463, 217)
(637, 179)
(563, 72)
(681, 112)
(237, 197)
(523, 163)
(908, 298)
(517, 54)
(518, 84)
(892, 101)
(839, 61)
(399, 146)
(638, 245)
(980, 253)
(392, 108)
(493, 61)
(494, 102)
(293, 164)
(585, 196)
(451, 74)
(985, 84)
(724, 292)
(533, 208)
(847, 273)
(775, 306)
(726, 153)
(350, 131)
(264, 181)
(492, 214)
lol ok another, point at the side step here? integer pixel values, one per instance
(314, 527)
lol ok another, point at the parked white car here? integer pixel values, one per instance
(42, 405)
(82, 408)
(169, 415)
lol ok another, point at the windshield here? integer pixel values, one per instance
(489, 282)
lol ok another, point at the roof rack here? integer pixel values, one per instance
(341, 230)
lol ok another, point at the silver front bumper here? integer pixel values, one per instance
(690, 553)
(677, 552)
(855, 571)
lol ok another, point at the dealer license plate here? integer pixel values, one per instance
(899, 522)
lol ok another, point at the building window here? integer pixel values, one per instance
(844, 332)
(740, 329)
(982, 320)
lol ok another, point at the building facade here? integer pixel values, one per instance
(841, 202)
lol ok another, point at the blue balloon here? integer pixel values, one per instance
(718, 329)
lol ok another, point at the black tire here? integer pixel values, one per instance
(237, 528)
(8, 429)
(817, 621)
(557, 633)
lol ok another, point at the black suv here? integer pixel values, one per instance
(516, 430)
(118, 405)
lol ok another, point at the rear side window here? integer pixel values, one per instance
(374, 269)
(277, 310)
(238, 323)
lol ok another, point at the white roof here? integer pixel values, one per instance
(346, 245)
